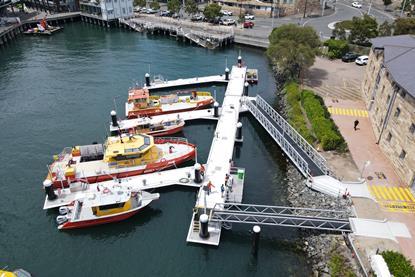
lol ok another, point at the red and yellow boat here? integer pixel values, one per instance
(120, 157)
(140, 103)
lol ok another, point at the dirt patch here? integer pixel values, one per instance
(343, 165)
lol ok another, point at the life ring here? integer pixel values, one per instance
(106, 190)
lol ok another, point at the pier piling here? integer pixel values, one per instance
(227, 74)
(255, 239)
(246, 88)
(239, 137)
(198, 175)
(147, 77)
(204, 221)
(216, 109)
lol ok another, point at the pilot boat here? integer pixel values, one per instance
(119, 157)
(140, 103)
(145, 125)
(103, 206)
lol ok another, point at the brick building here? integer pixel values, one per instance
(389, 91)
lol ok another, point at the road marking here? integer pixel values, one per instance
(394, 199)
(348, 112)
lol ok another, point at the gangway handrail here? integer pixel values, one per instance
(317, 158)
(295, 157)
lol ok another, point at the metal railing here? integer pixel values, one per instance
(295, 157)
(319, 219)
(287, 129)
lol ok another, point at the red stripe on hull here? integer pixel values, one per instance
(150, 168)
(166, 132)
(135, 114)
(98, 221)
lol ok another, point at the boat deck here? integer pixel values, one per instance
(195, 81)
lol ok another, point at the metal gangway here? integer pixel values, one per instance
(318, 219)
(302, 154)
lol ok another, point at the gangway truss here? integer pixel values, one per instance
(318, 219)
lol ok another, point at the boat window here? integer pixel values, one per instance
(111, 206)
(121, 158)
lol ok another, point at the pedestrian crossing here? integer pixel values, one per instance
(348, 112)
(395, 199)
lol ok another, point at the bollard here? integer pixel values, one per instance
(198, 176)
(147, 77)
(216, 109)
(227, 74)
(47, 184)
(240, 60)
(255, 239)
(239, 137)
(246, 89)
(204, 221)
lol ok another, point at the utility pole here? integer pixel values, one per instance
(403, 7)
(272, 14)
(370, 7)
(305, 8)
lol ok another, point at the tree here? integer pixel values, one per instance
(336, 48)
(387, 2)
(300, 35)
(408, 5)
(191, 7)
(173, 6)
(212, 11)
(385, 29)
(293, 49)
(404, 26)
(141, 3)
(363, 29)
(155, 5)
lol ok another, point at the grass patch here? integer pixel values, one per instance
(323, 126)
(398, 264)
(295, 115)
(339, 267)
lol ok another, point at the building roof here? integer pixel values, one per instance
(399, 59)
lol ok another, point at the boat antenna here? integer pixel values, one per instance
(226, 62)
(115, 103)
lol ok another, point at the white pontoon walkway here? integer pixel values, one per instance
(216, 79)
(218, 165)
(179, 176)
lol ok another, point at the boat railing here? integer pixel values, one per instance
(65, 152)
(170, 140)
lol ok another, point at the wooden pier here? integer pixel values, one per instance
(202, 34)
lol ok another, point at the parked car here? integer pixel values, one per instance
(362, 60)
(215, 20)
(249, 16)
(197, 17)
(175, 15)
(225, 12)
(357, 5)
(137, 9)
(151, 11)
(350, 57)
(165, 13)
(227, 22)
(248, 24)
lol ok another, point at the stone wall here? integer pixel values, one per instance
(386, 101)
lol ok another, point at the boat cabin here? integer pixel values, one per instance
(140, 97)
(130, 150)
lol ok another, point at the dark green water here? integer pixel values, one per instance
(57, 92)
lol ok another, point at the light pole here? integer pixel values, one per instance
(367, 163)
(305, 8)
(370, 7)
(272, 14)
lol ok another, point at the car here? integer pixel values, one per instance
(215, 20)
(362, 60)
(349, 57)
(197, 17)
(249, 16)
(356, 5)
(151, 11)
(225, 12)
(175, 15)
(248, 24)
(137, 9)
(227, 22)
(165, 13)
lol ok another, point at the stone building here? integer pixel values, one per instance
(389, 91)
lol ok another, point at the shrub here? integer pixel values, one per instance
(337, 48)
(338, 266)
(295, 114)
(398, 265)
(323, 126)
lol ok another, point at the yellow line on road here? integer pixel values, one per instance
(388, 195)
(394, 196)
(376, 192)
(403, 191)
(396, 190)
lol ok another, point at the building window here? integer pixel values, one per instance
(387, 100)
(412, 128)
(402, 155)
(402, 93)
(389, 137)
(123, 10)
(383, 89)
(397, 112)
(131, 10)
